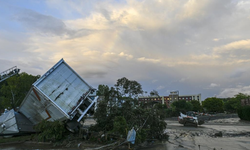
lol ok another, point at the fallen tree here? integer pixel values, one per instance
(117, 114)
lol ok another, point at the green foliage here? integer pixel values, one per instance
(241, 96)
(154, 93)
(196, 105)
(213, 104)
(128, 88)
(119, 112)
(50, 131)
(14, 90)
(181, 106)
(232, 105)
(120, 126)
(244, 113)
(103, 90)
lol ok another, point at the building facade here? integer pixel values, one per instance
(173, 96)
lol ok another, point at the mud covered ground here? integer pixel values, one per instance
(220, 132)
(223, 132)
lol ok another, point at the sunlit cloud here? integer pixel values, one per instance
(212, 85)
(231, 92)
(186, 45)
(143, 59)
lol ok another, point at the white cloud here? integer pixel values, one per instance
(160, 87)
(154, 81)
(230, 92)
(216, 39)
(236, 45)
(122, 54)
(186, 45)
(212, 85)
(143, 59)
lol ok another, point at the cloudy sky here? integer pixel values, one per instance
(194, 46)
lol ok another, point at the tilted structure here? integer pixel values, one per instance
(60, 94)
(9, 73)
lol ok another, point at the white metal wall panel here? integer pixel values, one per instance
(36, 109)
(63, 87)
(57, 93)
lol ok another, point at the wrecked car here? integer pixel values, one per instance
(190, 119)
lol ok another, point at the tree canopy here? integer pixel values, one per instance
(154, 93)
(119, 111)
(213, 104)
(128, 88)
(14, 90)
(181, 106)
(196, 105)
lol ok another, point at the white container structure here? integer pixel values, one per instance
(60, 94)
(13, 123)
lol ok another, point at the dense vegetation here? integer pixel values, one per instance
(50, 131)
(244, 113)
(213, 104)
(119, 112)
(14, 89)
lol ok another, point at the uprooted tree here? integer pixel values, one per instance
(119, 111)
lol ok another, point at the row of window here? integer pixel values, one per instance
(159, 99)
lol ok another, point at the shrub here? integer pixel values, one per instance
(50, 131)
(120, 126)
(244, 113)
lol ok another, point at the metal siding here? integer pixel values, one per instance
(58, 90)
(64, 87)
(9, 120)
(35, 110)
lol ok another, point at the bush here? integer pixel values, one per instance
(50, 131)
(120, 126)
(244, 113)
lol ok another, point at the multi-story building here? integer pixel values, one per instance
(173, 96)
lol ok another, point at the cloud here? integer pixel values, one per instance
(230, 92)
(44, 24)
(212, 85)
(238, 73)
(234, 46)
(122, 54)
(185, 45)
(143, 59)
(160, 87)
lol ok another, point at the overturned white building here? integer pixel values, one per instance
(60, 94)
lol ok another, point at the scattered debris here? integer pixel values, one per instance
(218, 134)
(190, 119)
